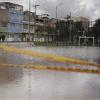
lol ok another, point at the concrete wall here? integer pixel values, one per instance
(15, 21)
(26, 22)
(3, 20)
(3, 15)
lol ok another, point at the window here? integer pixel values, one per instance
(26, 18)
(25, 26)
(13, 25)
(18, 8)
(2, 7)
(4, 24)
(31, 27)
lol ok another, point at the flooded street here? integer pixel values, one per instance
(29, 84)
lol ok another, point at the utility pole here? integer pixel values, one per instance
(57, 10)
(35, 17)
(29, 18)
(57, 15)
(29, 87)
(70, 28)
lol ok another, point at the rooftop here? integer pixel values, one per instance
(10, 4)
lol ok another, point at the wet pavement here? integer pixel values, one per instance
(28, 84)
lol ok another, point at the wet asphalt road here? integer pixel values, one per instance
(25, 84)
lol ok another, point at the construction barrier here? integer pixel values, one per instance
(47, 56)
(52, 68)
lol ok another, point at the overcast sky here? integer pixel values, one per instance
(86, 8)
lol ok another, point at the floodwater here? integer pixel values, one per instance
(29, 84)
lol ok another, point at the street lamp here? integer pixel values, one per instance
(35, 17)
(57, 9)
(35, 7)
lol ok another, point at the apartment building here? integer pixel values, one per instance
(28, 25)
(84, 20)
(11, 21)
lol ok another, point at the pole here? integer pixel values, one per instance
(29, 90)
(93, 41)
(70, 32)
(70, 29)
(35, 17)
(57, 10)
(35, 20)
(29, 18)
(79, 40)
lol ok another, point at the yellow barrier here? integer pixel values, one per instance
(47, 56)
(52, 68)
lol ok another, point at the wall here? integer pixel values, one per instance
(26, 22)
(3, 20)
(15, 21)
(3, 15)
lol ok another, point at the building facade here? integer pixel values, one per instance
(3, 23)
(84, 20)
(11, 19)
(28, 26)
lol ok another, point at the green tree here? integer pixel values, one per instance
(96, 29)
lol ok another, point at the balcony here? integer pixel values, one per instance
(3, 29)
(27, 31)
(27, 22)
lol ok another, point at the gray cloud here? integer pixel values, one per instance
(87, 8)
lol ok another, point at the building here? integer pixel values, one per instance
(28, 25)
(84, 20)
(41, 23)
(3, 23)
(40, 28)
(44, 22)
(52, 23)
(11, 21)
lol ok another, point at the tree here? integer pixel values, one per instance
(96, 29)
(78, 26)
(77, 30)
(62, 30)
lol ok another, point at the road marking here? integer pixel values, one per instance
(52, 68)
(47, 56)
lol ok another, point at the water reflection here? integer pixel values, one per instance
(8, 75)
(18, 84)
(64, 86)
(84, 53)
